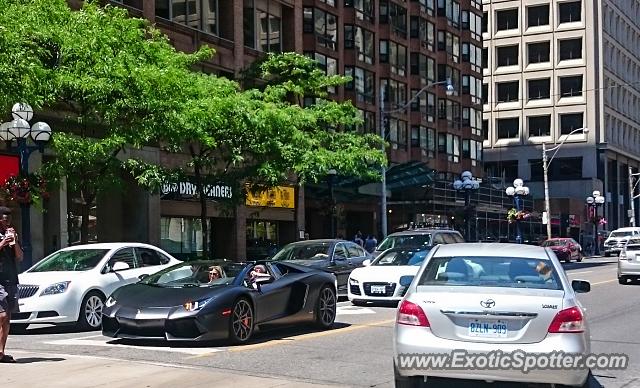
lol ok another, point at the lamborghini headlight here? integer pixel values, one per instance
(56, 288)
(197, 305)
(353, 282)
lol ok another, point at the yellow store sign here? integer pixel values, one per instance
(280, 196)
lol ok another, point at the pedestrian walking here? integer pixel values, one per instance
(358, 239)
(10, 256)
(370, 244)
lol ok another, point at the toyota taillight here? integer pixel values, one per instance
(568, 320)
(411, 314)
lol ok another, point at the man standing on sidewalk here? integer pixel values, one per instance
(10, 256)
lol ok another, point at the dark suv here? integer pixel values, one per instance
(419, 238)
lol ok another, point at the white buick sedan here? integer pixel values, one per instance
(71, 285)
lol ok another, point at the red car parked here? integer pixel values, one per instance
(566, 249)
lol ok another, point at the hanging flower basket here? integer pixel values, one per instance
(598, 220)
(28, 189)
(514, 215)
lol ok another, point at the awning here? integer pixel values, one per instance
(410, 174)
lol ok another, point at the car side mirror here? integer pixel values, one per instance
(405, 281)
(143, 276)
(120, 266)
(581, 286)
(366, 263)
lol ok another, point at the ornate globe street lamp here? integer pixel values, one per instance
(518, 191)
(467, 184)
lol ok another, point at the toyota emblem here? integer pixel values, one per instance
(489, 303)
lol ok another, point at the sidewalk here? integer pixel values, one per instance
(65, 370)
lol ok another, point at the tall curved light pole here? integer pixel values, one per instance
(545, 168)
(518, 191)
(20, 131)
(467, 184)
(383, 114)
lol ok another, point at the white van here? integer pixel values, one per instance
(618, 238)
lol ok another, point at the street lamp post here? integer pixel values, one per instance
(331, 175)
(383, 114)
(19, 130)
(518, 191)
(467, 184)
(592, 204)
(545, 169)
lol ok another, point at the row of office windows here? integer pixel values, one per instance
(537, 89)
(537, 125)
(536, 16)
(537, 52)
(561, 169)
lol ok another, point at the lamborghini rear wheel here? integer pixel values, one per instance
(326, 308)
(241, 323)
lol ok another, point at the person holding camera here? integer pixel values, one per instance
(10, 256)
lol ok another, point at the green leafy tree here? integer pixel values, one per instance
(111, 80)
(265, 137)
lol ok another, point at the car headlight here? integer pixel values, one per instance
(56, 288)
(353, 282)
(197, 305)
(110, 302)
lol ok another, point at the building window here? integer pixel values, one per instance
(453, 47)
(538, 52)
(570, 49)
(423, 66)
(323, 25)
(561, 169)
(539, 89)
(329, 65)
(364, 8)
(394, 14)
(504, 168)
(570, 122)
(363, 83)
(485, 93)
(570, 11)
(538, 15)
(507, 19)
(507, 55)
(262, 26)
(182, 237)
(485, 58)
(485, 129)
(571, 86)
(395, 92)
(508, 128)
(539, 125)
(431, 107)
(395, 54)
(360, 39)
(423, 30)
(199, 14)
(485, 22)
(507, 91)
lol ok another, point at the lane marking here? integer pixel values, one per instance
(578, 273)
(302, 337)
(606, 281)
(87, 357)
(353, 310)
(103, 343)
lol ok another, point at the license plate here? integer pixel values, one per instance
(493, 329)
(378, 289)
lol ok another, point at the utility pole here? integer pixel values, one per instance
(632, 196)
(383, 199)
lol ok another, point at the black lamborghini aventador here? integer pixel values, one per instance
(207, 300)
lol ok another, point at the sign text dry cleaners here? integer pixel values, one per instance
(187, 190)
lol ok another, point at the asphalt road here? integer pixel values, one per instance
(356, 353)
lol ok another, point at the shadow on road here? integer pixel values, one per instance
(31, 360)
(61, 329)
(584, 265)
(265, 334)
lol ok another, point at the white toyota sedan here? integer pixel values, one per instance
(71, 285)
(517, 303)
(379, 280)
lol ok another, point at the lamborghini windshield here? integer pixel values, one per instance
(196, 274)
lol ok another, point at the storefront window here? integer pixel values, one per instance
(182, 237)
(74, 220)
(262, 239)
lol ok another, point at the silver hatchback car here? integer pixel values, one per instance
(629, 261)
(483, 298)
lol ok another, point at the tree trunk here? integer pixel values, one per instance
(84, 227)
(203, 206)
